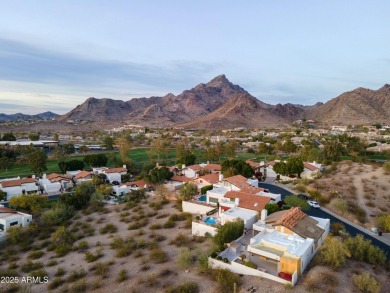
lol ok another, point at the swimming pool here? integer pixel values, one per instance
(210, 221)
(203, 198)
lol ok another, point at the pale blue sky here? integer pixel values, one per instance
(56, 54)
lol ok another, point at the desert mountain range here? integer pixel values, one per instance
(221, 104)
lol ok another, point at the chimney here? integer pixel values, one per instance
(124, 167)
(220, 177)
(183, 166)
(44, 176)
(263, 215)
(237, 201)
(33, 176)
(208, 162)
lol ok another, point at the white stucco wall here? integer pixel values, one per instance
(199, 229)
(194, 208)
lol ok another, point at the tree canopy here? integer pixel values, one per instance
(187, 190)
(71, 165)
(228, 232)
(31, 203)
(96, 160)
(8, 136)
(334, 252)
(295, 201)
(158, 175)
(293, 165)
(36, 159)
(236, 167)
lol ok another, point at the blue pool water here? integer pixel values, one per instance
(210, 221)
(203, 198)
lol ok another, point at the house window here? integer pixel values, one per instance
(28, 220)
(212, 199)
(13, 223)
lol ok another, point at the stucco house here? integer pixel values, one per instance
(83, 176)
(18, 186)
(10, 218)
(200, 169)
(288, 239)
(113, 174)
(54, 182)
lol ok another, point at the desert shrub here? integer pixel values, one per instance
(91, 257)
(30, 266)
(340, 204)
(203, 263)
(155, 227)
(163, 215)
(138, 224)
(122, 275)
(52, 263)
(366, 283)
(9, 273)
(383, 223)
(300, 188)
(357, 211)
(250, 264)
(63, 249)
(76, 274)
(184, 259)
(386, 167)
(82, 246)
(55, 283)
(80, 286)
(40, 273)
(226, 279)
(57, 215)
(362, 250)
(12, 266)
(180, 240)
(157, 237)
(158, 255)
(337, 229)
(333, 252)
(35, 254)
(108, 228)
(188, 287)
(60, 272)
(100, 269)
(169, 224)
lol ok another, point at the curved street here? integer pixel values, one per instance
(351, 228)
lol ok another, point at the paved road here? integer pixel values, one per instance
(320, 213)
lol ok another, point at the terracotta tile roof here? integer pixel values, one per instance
(237, 180)
(17, 182)
(310, 166)
(300, 223)
(209, 167)
(195, 167)
(213, 167)
(271, 163)
(180, 178)
(52, 176)
(211, 178)
(252, 164)
(291, 218)
(171, 169)
(82, 174)
(115, 170)
(139, 183)
(60, 178)
(251, 189)
(249, 201)
(7, 211)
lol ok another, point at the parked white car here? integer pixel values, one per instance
(313, 204)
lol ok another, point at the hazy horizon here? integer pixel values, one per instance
(55, 55)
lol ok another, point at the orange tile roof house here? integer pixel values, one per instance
(289, 237)
(83, 176)
(18, 186)
(248, 201)
(193, 170)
